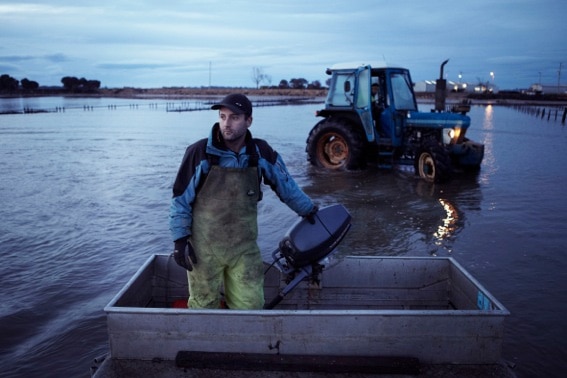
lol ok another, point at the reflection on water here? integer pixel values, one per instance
(396, 213)
(449, 223)
(489, 166)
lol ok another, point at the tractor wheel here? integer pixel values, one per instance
(334, 145)
(433, 164)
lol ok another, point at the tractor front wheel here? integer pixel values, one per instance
(433, 164)
(334, 145)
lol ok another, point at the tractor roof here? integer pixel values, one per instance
(355, 65)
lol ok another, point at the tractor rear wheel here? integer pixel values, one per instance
(334, 145)
(433, 164)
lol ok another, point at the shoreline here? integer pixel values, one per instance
(176, 93)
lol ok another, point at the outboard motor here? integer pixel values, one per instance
(305, 246)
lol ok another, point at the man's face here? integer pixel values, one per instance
(233, 126)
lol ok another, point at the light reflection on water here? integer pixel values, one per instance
(449, 223)
(85, 196)
(489, 166)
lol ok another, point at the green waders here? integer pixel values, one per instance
(224, 233)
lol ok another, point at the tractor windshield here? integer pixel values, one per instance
(402, 92)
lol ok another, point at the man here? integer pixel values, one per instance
(375, 88)
(213, 214)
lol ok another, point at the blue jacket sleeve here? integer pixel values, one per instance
(191, 170)
(276, 175)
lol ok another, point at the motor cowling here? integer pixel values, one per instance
(306, 243)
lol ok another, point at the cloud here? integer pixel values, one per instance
(133, 66)
(16, 58)
(125, 43)
(57, 58)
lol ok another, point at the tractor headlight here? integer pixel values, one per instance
(450, 136)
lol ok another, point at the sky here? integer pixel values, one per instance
(201, 43)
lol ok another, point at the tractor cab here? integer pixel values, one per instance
(381, 97)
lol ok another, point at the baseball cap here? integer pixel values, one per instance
(236, 102)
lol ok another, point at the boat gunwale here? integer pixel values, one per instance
(498, 310)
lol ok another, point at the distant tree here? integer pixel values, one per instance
(92, 85)
(315, 85)
(283, 84)
(70, 83)
(8, 83)
(29, 85)
(298, 83)
(258, 76)
(82, 85)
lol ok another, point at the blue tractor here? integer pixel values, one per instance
(371, 116)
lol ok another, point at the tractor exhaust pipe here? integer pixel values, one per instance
(440, 90)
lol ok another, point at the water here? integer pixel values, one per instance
(84, 199)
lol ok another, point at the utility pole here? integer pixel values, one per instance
(210, 63)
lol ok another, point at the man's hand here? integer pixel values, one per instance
(311, 216)
(184, 254)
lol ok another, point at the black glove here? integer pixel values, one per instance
(184, 254)
(311, 216)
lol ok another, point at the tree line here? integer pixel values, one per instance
(71, 84)
(9, 84)
(259, 77)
